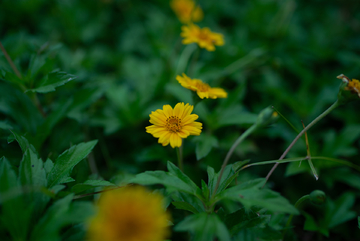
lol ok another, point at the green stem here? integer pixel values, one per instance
(297, 205)
(326, 112)
(179, 157)
(184, 58)
(228, 155)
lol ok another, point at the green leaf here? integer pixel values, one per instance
(23, 142)
(171, 182)
(244, 219)
(15, 213)
(226, 179)
(340, 211)
(174, 170)
(48, 166)
(205, 190)
(51, 81)
(185, 206)
(190, 199)
(251, 194)
(90, 184)
(204, 227)
(204, 144)
(19, 107)
(66, 162)
(53, 220)
(31, 170)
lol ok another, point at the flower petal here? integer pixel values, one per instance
(175, 140)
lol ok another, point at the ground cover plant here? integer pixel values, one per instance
(179, 120)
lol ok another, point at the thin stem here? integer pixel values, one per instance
(179, 157)
(331, 108)
(228, 155)
(16, 71)
(184, 58)
(297, 205)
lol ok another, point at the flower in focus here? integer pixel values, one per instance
(171, 125)
(131, 214)
(203, 37)
(184, 10)
(202, 89)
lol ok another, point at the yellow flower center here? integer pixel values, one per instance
(202, 87)
(173, 124)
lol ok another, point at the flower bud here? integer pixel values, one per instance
(349, 90)
(266, 117)
(317, 197)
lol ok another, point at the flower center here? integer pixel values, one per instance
(203, 87)
(203, 35)
(173, 124)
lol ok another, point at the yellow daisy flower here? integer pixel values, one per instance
(354, 86)
(129, 214)
(203, 37)
(184, 10)
(202, 89)
(171, 125)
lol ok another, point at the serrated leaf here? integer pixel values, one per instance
(23, 142)
(53, 220)
(204, 227)
(48, 166)
(190, 199)
(204, 144)
(51, 81)
(32, 174)
(244, 219)
(185, 206)
(66, 162)
(171, 182)
(226, 179)
(174, 170)
(31, 170)
(90, 184)
(250, 194)
(15, 213)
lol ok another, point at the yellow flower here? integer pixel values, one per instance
(203, 37)
(171, 125)
(129, 214)
(202, 89)
(184, 10)
(354, 86)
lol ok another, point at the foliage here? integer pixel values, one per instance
(84, 76)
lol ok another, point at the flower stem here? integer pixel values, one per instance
(297, 204)
(179, 157)
(184, 58)
(230, 152)
(331, 108)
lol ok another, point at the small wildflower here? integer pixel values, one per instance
(131, 214)
(202, 89)
(184, 10)
(203, 37)
(349, 89)
(171, 125)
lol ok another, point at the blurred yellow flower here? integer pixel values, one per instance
(202, 89)
(184, 10)
(129, 214)
(203, 37)
(171, 125)
(354, 86)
